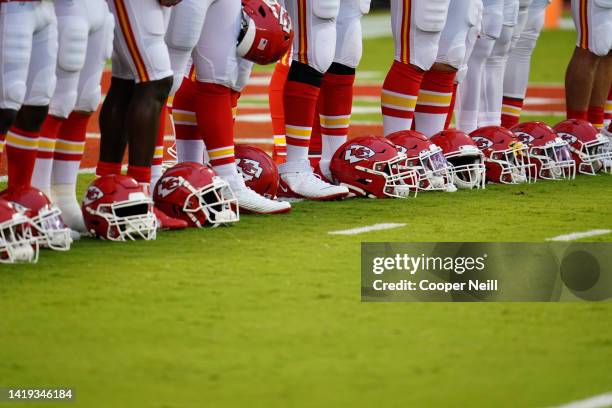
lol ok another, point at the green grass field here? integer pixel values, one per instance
(268, 313)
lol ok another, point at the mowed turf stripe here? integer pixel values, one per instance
(598, 401)
(367, 228)
(578, 235)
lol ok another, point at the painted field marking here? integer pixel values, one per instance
(578, 235)
(368, 228)
(597, 401)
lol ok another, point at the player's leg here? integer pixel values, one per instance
(71, 136)
(593, 21)
(22, 139)
(517, 78)
(417, 27)
(189, 143)
(73, 32)
(142, 54)
(468, 97)
(492, 88)
(17, 24)
(218, 72)
(435, 95)
(313, 53)
(599, 94)
(277, 111)
(336, 97)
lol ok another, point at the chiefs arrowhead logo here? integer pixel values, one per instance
(93, 194)
(568, 137)
(526, 138)
(250, 169)
(167, 185)
(482, 142)
(356, 153)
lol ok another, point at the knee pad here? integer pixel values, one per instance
(73, 35)
(185, 25)
(322, 45)
(155, 45)
(430, 15)
(364, 6)
(502, 44)
(91, 94)
(349, 46)
(13, 95)
(326, 9)
(63, 102)
(109, 33)
(492, 21)
(511, 9)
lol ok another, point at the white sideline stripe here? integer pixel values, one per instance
(87, 170)
(368, 228)
(577, 235)
(598, 401)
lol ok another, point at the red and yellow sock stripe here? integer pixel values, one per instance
(221, 155)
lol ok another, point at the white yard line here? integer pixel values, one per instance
(597, 401)
(367, 228)
(578, 235)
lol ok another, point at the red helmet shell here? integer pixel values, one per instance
(586, 144)
(267, 32)
(258, 170)
(46, 218)
(193, 192)
(115, 207)
(549, 153)
(371, 166)
(505, 156)
(17, 242)
(467, 160)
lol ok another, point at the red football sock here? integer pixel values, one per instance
(277, 112)
(434, 101)
(314, 148)
(21, 150)
(107, 168)
(48, 135)
(576, 114)
(511, 111)
(595, 115)
(141, 174)
(399, 95)
(213, 107)
(451, 108)
(69, 148)
(335, 105)
(183, 112)
(302, 98)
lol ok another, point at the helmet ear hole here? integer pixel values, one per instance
(262, 12)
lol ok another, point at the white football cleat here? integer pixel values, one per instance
(250, 202)
(64, 196)
(297, 180)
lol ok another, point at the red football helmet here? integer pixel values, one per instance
(266, 33)
(46, 218)
(435, 172)
(116, 208)
(258, 170)
(588, 146)
(506, 158)
(371, 166)
(17, 240)
(549, 153)
(193, 192)
(467, 160)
